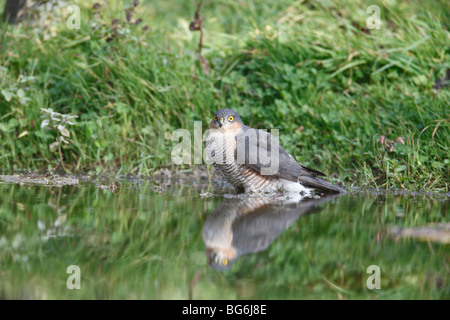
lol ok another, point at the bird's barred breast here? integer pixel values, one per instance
(220, 148)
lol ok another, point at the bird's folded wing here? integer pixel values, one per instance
(260, 151)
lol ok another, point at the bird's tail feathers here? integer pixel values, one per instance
(317, 183)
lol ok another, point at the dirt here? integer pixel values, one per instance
(439, 232)
(45, 180)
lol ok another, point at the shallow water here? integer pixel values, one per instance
(142, 238)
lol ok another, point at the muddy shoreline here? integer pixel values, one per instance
(196, 176)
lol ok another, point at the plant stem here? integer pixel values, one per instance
(60, 152)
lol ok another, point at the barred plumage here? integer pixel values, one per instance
(221, 146)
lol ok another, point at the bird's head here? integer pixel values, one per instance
(226, 119)
(220, 259)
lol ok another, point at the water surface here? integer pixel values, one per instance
(146, 238)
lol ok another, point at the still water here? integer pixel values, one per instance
(186, 238)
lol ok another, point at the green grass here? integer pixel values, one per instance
(308, 68)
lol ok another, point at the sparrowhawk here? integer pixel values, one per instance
(253, 161)
(241, 226)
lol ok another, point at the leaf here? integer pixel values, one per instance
(401, 140)
(8, 95)
(420, 80)
(24, 100)
(47, 110)
(45, 123)
(56, 116)
(63, 130)
(24, 79)
(41, 225)
(67, 119)
(437, 165)
(53, 146)
(61, 138)
(23, 134)
(20, 93)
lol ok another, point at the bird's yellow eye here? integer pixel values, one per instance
(215, 118)
(230, 118)
(225, 262)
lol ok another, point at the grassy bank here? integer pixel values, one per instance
(366, 106)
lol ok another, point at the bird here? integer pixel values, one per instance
(253, 161)
(240, 226)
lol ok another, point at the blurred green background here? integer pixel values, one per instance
(370, 107)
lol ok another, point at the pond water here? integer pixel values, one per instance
(149, 238)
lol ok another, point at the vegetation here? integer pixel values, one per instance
(370, 107)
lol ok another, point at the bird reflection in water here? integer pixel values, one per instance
(241, 226)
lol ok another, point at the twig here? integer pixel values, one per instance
(193, 284)
(196, 25)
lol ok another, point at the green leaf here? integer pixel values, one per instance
(44, 123)
(437, 165)
(7, 94)
(53, 146)
(61, 138)
(20, 93)
(63, 131)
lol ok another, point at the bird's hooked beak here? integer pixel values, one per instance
(221, 122)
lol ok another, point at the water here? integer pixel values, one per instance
(142, 239)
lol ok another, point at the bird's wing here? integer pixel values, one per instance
(258, 150)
